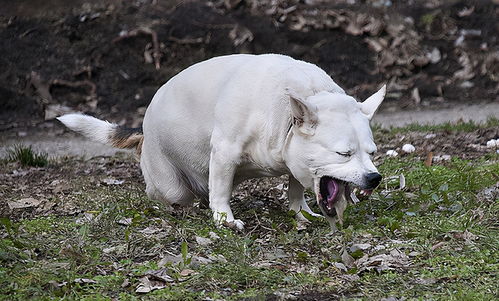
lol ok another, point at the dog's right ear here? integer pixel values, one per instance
(304, 116)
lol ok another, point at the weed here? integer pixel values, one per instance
(26, 156)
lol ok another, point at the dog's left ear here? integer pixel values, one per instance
(304, 114)
(371, 105)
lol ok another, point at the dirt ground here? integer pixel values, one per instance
(89, 230)
(45, 183)
(101, 57)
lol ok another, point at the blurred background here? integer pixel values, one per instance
(107, 58)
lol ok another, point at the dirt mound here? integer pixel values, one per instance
(108, 58)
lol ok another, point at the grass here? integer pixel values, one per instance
(440, 219)
(461, 126)
(26, 156)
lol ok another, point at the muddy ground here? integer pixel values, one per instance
(99, 57)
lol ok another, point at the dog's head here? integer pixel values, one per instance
(331, 146)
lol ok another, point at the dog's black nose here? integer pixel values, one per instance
(373, 179)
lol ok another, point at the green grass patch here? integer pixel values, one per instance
(461, 126)
(26, 156)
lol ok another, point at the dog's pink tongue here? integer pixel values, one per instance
(332, 189)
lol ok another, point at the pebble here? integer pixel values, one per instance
(408, 148)
(392, 153)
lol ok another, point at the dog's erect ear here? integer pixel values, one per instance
(304, 116)
(370, 105)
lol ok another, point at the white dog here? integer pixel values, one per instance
(236, 117)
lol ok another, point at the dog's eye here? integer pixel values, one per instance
(347, 154)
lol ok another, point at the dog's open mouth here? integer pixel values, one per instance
(330, 191)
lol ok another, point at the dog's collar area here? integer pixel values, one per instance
(286, 140)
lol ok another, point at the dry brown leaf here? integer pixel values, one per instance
(23, 203)
(348, 260)
(438, 245)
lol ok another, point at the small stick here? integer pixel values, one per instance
(155, 42)
(61, 82)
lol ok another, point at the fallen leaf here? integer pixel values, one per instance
(149, 230)
(56, 284)
(348, 260)
(426, 281)
(125, 283)
(394, 260)
(218, 258)
(203, 241)
(24, 203)
(213, 235)
(466, 11)
(125, 221)
(84, 280)
(362, 247)
(111, 181)
(340, 266)
(465, 235)
(146, 286)
(161, 274)
(186, 272)
(437, 245)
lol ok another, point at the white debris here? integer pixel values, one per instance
(392, 153)
(213, 235)
(125, 221)
(434, 56)
(493, 143)
(430, 136)
(402, 181)
(441, 158)
(203, 241)
(111, 181)
(362, 247)
(408, 148)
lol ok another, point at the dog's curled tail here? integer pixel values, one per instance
(104, 131)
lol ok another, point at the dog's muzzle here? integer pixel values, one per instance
(330, 191)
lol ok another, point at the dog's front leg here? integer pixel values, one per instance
(221, 176)
(297, 201)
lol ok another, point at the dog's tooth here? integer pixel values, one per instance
(354, 198)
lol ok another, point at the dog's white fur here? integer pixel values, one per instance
(231, 118)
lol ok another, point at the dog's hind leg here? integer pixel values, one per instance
(297, 201)
(164, 182)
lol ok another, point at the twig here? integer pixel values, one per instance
(81, 83)
(186, 41)
(155, 43)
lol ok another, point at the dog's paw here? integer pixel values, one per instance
(307, 216)
(224, 219)
(315, 214)
(236, 224)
